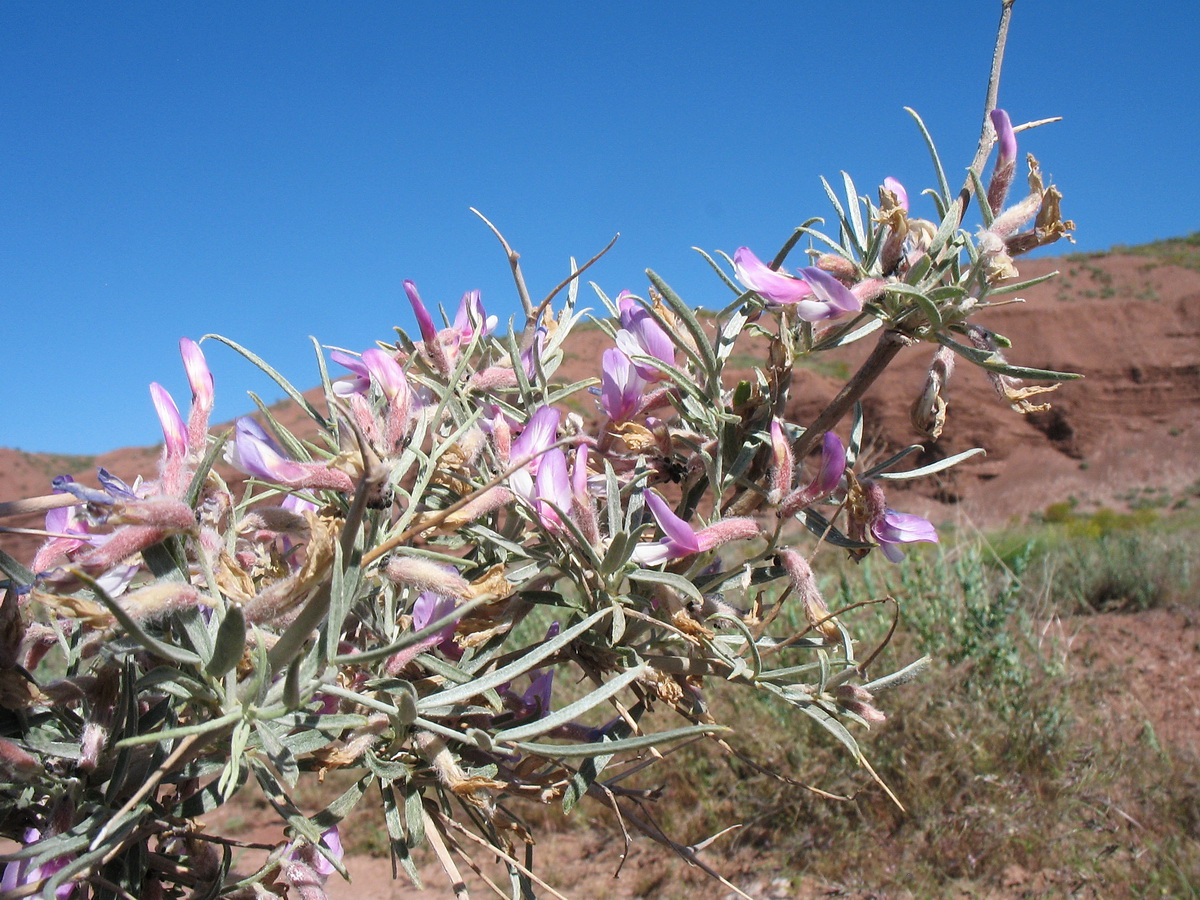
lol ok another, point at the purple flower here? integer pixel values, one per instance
(254, 453)
(824, 482)
(1006, 161)
(815, 297)
(552, 492)
(471, 317)
(901, 528)
(429, 608)
(360, 383)
(621, 387)
(831, 297)
(1005, 136)
(778, 287)
(681, 540)
(310, 858)
(641, 335)
(889, 528)
(442, 346)
(19, 873)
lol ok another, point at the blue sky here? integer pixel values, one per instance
(273, 170)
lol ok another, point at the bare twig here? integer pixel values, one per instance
(514, 260)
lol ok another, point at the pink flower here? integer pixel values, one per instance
(621, 387)
(200, 380)
(540, 432)
(254, 453)
(552, 489)
(641, 335)
(20, 873)
(174, 431)
(815, 297)
(471, 317)
(778, 287)
(359, 383)
(824, 482)
(782, 463)
(681, 540)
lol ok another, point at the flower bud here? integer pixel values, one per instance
(425, 575)
(783, 464)
(1006, 160)
(804, 585)
(201, 381)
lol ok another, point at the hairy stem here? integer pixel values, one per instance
(885, 351)
(987, 134)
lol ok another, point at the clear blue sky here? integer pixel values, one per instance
(273, 170)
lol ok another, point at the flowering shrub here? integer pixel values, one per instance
(376, 597)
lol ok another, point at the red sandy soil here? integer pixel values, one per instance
(1159, 690)
(1131, 326)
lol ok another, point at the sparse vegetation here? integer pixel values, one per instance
(1006, 754)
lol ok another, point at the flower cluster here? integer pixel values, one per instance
(468, 580)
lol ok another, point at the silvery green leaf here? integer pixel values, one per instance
(336, 811)
(15, 570)
(819, 525)
(892, 460)
(253, 689)
(990, 360)
(833, 726)
(729, 282)
(230, 642)
(668, 579)
(932, 467)
(854, 206)
(847, 229)
(386, 770)
(279, 755)
(520, 666)
(134, 630)
(640, 742)
(414, 817)
(709, 363)
(618, 622)
(943, 185)
(985, 208)
(1018, 286)
(276, 377)
(927, 306)
(572, 711)
(412, 637)
(857, 425)
(227, 783)
(847, 334)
